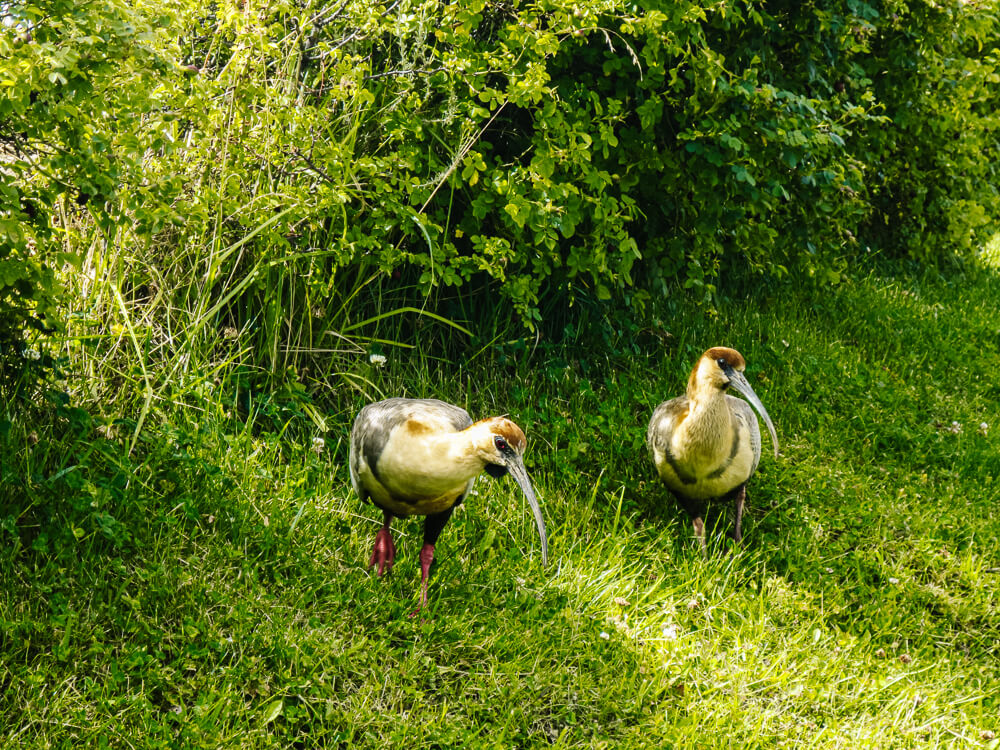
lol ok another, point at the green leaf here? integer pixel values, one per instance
(274, 710)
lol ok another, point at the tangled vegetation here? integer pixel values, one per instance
(277, 170)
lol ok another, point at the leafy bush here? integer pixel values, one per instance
(262, 183)
(77, 119)
(934, 177)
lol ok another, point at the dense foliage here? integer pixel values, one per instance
(78, 115)
(264, 169)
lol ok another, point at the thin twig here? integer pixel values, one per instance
(461, 155)
(404, 72)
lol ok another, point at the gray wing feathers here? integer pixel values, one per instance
(745, 413)
(661, 424)
(392, 411)
(375, 422)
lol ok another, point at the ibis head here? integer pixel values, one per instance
(721, 368)
(501, 449)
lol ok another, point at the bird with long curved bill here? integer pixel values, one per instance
(421, 457)
(706, 444)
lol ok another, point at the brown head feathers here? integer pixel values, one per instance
(508, 430)
(731, 356)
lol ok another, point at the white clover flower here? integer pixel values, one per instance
(377, 359)
(670, 632)
(983, 427)
(893, 581)
(604, 635)
(955, 428)
(32, 354)
(318, 444)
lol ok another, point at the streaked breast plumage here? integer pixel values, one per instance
(706, 444)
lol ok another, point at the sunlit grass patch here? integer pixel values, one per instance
(209, 587)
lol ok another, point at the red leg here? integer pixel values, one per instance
(426, 558)
(432, 529)
(384, 552)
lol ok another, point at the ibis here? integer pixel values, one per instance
(421, 457)
(706, 444)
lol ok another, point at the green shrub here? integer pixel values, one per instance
(78, 115)
(261, 184)
(568, 146)
(934, 177)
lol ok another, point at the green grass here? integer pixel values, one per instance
(209, 589)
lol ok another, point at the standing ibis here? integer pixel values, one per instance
(706, 444)
(421, 457)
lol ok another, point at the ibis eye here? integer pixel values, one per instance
(500, 443)
(721, 361)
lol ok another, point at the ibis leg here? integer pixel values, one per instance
(426, 558)
(738, 503)
(699, 533)
(384, 552)
(432, 530)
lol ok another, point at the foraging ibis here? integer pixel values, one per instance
(706, 444)
(421, 457)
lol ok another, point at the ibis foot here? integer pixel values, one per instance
(384, 552)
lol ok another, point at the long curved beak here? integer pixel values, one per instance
(739, 382)
(516, 467)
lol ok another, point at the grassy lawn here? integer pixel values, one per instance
(209, 589)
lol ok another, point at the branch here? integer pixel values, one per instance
(404, 73)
